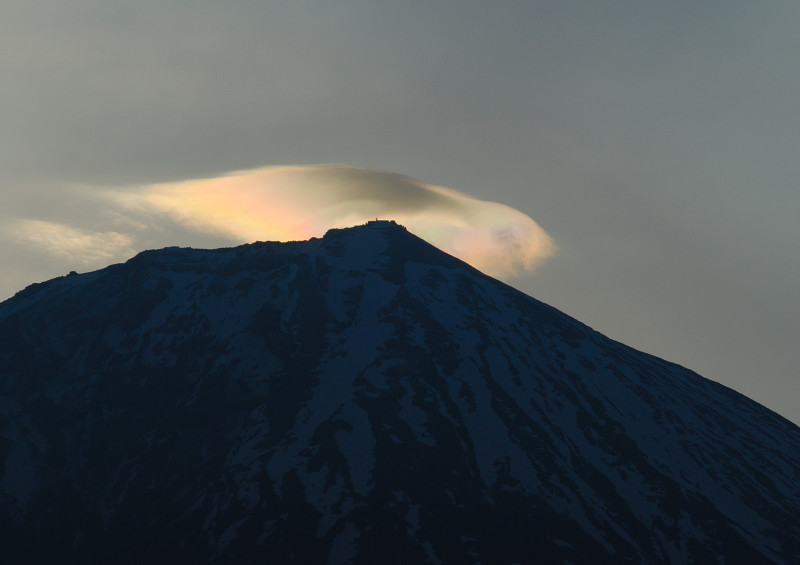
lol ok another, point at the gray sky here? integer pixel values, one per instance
(654, 141)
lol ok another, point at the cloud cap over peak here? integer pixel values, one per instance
(299, 202)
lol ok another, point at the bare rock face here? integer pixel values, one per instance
(364, 398)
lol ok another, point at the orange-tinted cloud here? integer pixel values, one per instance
(299, 202)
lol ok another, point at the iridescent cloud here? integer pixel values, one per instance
(299, 202)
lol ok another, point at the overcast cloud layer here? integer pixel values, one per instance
(656, 142)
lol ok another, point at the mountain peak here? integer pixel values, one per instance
(369, 234)
(359, 398)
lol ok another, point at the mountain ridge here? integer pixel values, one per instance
(362, 396)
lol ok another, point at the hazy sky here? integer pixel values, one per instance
(655, 142)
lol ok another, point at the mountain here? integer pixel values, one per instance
(364, 398)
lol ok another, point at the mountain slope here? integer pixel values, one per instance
(365, 398)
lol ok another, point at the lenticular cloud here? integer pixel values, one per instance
(299, 202)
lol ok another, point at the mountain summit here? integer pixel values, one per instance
(364, 398)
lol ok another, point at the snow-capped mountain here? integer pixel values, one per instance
(364, 398)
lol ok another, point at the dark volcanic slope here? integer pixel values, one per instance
(364, 398)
